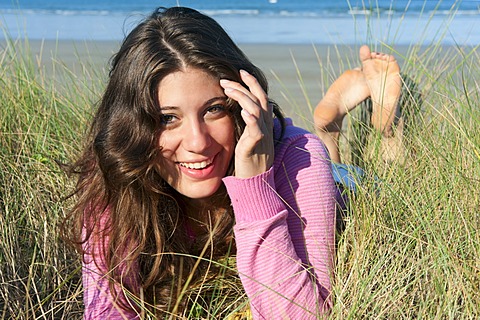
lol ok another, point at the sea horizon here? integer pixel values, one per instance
(256, 21)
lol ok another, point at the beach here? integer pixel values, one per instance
(301, 47)
(298, 74)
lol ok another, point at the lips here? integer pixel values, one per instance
(199, 170)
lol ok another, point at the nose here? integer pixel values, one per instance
(196, 137)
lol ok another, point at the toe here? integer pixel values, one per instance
(365, 53)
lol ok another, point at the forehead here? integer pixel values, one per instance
(187, 87)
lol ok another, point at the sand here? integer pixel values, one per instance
(298, 74)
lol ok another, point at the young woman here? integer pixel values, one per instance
(187, 157)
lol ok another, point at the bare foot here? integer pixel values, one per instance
(382, 74)
(349, 90)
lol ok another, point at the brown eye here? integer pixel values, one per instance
(167, 119)
(216, 109)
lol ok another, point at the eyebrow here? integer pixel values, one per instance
(206, 103)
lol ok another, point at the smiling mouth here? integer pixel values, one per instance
(196, 165)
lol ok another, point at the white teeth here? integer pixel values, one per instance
(196, 165)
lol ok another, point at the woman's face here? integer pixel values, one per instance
(197, 136)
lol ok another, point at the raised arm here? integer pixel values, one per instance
(285, 231)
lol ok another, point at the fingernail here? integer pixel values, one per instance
(224, 81)
(244, 73)
(245, 113)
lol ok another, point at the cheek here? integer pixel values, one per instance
(166, 145)
(228, 134)
(165, 166)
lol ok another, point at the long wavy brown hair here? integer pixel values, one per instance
(119, 186)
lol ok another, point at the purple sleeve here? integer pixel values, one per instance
(285, 232)
(99, 301)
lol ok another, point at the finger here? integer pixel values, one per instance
(261, 95)
(257, 90)
(253, 131)
(256, 124)
(245, 101)
(237, 86)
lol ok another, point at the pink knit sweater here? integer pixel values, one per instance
(284, 233)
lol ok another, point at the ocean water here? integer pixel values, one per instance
(256, 21)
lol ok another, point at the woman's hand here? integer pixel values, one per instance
(254, 151)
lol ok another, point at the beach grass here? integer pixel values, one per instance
(38, 126)
(410, 247)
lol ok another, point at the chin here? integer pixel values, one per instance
(201, 192)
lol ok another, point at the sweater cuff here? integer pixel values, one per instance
(255, 198)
